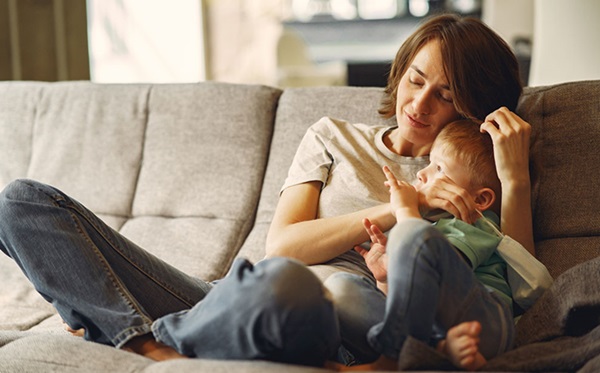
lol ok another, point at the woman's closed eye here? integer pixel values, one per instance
(446, 97)
(443, 94)
(415, 82)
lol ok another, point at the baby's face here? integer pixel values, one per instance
(443, 164)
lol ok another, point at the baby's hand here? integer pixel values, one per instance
(376, 257)
(404, 199)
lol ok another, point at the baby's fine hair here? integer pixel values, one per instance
(474, 149)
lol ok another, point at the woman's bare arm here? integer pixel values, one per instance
(510, 135)
(296, 232)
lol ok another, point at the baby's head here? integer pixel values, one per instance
(466, 156)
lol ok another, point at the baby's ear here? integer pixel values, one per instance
(484, 198)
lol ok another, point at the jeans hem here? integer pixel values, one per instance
(128, 334)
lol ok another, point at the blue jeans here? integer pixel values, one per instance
(100, 281)
(430, 289)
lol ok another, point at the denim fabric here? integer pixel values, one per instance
(430, 289)
(276, 310)
(359, 306)
(94, 277)
(98, 280)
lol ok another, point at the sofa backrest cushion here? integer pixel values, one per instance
(176, 168)
(565, 165)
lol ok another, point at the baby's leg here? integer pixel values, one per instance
(462, 346)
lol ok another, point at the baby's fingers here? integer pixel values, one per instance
(391, 179)
(361, 250)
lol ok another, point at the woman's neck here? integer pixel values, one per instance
(394, 141)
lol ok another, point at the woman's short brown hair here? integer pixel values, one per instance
(482, 70)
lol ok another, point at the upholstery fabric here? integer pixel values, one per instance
(565, 166)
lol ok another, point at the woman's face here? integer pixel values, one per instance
(424, 103)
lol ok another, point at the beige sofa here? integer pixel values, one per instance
(191, 172)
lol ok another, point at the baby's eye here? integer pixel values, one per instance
(439, 169)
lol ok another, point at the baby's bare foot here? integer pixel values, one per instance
(462, 346)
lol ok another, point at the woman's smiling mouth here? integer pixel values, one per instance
(415, 123)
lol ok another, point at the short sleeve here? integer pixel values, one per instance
(313, 160)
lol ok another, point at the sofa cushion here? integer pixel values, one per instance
(565, 165)
(87, 140)
(18, 102)
(42, 352)
(205, 153)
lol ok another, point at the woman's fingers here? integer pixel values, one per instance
(511, 137)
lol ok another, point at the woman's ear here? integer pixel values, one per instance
(484, 198)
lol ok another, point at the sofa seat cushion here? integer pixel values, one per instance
(43, 352)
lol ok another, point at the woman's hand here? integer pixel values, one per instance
(443, 194)
(511, 137)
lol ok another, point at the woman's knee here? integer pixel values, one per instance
(23, 190)
(22, 198)
(13, 191)
(11, 197)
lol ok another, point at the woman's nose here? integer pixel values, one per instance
(422, 102)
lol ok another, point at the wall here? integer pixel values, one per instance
(511, 19)
(146, 41)
(242, 40)
(566, 44)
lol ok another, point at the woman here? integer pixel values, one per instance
(120, 294)
(449, 68)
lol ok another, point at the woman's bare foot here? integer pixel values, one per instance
(74, 332)
(381, 364)
(462, 346)
(147, 346)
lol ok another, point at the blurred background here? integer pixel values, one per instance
(285, 43)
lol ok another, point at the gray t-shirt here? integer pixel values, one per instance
(347, 158)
